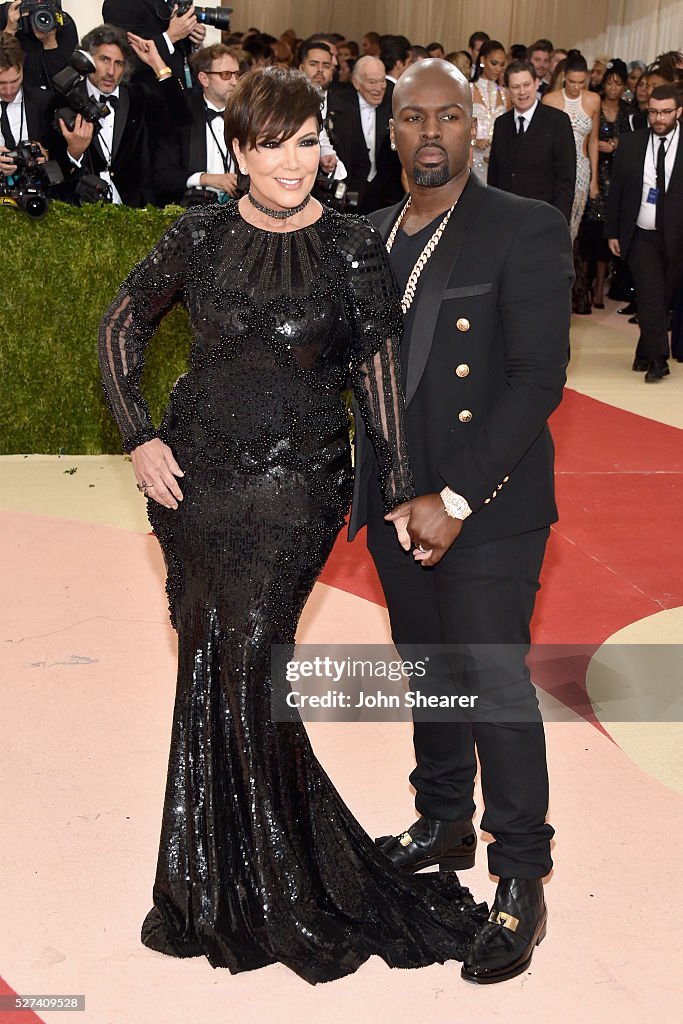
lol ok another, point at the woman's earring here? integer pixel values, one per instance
(393, 145)
(243, 171)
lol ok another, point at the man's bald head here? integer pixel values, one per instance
(368, 76)
(432, 124)
(423, 76)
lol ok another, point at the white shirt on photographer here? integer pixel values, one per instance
(106, 140)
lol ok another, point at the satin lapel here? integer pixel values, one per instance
(120, 120)
(197, 132)
(434, 279)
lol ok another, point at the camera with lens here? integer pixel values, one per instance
(66, 85)
(25, 188)
(334, 193)
(218, 17)
(40, 15)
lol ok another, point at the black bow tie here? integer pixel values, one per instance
(111, 101)
(212, 114)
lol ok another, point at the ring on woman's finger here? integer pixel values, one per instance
(420, 548)
(142, 486)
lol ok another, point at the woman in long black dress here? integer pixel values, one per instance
(249, 480)
(614, 121)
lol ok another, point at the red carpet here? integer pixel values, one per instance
(616, 554)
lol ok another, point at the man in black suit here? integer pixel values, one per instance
(24, 110)
(540, 54)
(483, 363)
(358, 124)
(119, 152)
(193, 162)
(644, 222)
(173, 36)
(45, 53)
(533, 153)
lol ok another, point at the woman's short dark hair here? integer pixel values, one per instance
(271, 104)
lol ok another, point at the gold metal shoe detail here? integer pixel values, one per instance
(405, 839)
(507, 920)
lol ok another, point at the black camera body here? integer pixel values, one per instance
(40, 15)
(66, 85)
(25, 188)
(334, 193)
(218, 17)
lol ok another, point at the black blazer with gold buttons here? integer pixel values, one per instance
(486, 363)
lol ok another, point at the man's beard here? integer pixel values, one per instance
(431, 178)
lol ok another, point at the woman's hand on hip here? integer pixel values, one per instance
(156, 470)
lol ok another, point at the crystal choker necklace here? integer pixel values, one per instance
(278, 214)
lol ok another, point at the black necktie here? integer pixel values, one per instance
(7, 135)
(111, 101)
(521, 124)
(212, 114)
(661, 185)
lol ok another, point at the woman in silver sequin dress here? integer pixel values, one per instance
(489, 100)
(583, 109)
(249, 479)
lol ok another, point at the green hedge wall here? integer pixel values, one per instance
(60, 274)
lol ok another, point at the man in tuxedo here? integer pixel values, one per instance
(193, 161)
(119, 152)
(540, 54)
(358, 118)
(45, 53)
(24, 110)
(483, 360)
(316, 60)
(173, 36)
(644, 222)
(533, 152)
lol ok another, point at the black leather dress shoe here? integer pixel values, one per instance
(503, 947)
(450, 844)
(640, 365)
(657, 371)
(628, 310)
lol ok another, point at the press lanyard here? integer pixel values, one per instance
(21, 120)
(224, 156)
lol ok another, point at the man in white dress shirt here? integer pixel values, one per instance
(316, 60)
(644, 222)
(118, 152)
(193, 161)
(23, 110)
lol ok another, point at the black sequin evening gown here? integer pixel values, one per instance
(260, 860)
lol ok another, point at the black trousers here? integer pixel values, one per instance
(482, 595)
(656, 279)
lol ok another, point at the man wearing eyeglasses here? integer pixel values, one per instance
(644, 222)
(193, 161)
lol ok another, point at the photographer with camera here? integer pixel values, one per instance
(109, 137)
(172, 27)
(45, 52)
(193, 162)
(24, 111)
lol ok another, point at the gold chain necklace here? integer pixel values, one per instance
(411, 286)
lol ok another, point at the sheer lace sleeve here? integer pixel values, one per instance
(149, 291)
(375, 312)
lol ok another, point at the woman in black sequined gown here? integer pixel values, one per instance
(260, 861)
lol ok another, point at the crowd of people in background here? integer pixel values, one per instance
(148, 126)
